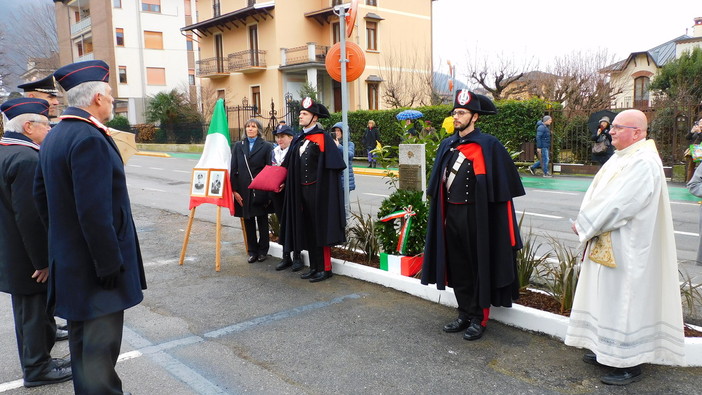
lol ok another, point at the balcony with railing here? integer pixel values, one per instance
(310, 53)
(81, 26)
(214, 67)
(248, 61)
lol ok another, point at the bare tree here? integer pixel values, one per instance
(33, 37)
(407, 78)
(576, 80)
(498, 75)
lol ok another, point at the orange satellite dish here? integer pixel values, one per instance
(351, 17)
(354, 67)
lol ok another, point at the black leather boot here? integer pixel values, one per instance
(321, 276)
(309, 274)
(284, 264)
(297, 264)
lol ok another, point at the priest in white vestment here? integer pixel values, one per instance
(627, 308)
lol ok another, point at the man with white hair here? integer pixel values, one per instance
(627, 307)
(24, 259)
(96, 266)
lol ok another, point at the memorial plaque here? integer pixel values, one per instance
(412, 167)
(411, 177)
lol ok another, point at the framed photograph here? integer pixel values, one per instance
(215, 186)
(198, 185)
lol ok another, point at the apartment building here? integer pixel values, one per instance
(255, 51)
(140, 40)
(634, 74)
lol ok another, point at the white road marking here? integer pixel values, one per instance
(376, 194)
(140, 165)
(182, 171)
(540, 215)
(154, 189)
(687, 233)
(155, 168)
(554, 192)
(685, 203)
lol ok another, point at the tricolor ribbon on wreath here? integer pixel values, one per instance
(406, 215)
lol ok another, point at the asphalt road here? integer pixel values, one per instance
(250, 329)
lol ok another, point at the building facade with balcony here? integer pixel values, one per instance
(632, 76)
(261, 51)
(140, 40)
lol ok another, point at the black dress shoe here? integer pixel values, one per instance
(284, 264)
(591, 358)
(53, 376)
(457, 325)
(61, 335)
(321, 276)
(252, 259)
(309, 274)
(475, 331)
(297, 264)
(622, 376)
(61, 362)
(262, 257)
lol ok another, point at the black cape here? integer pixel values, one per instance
(497, 245)
(330, 218)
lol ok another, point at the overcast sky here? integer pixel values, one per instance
(543, 29)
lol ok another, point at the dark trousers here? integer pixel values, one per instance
(257, 245)
(320, 258)
(95, 346)
(462, 259)
(35, 330)
(278, 199)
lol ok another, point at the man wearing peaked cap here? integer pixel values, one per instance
(81, 192)
(24, 258)
(313, 215)
(472, 234)
(43, 89)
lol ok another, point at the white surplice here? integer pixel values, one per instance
(632, 313)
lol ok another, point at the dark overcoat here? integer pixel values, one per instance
(258, 157)
(81, 193)
(23, 241)
(498, 232)
(330, 217)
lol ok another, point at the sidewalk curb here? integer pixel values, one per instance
(517, 316)
(155, 154)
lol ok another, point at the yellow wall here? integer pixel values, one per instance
(404, 42)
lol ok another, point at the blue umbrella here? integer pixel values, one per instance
(408, 114)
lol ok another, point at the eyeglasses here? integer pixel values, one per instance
(459, 113)
(620, 127)
(45, 123)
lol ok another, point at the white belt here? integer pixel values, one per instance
(454, 169)
(304, 146)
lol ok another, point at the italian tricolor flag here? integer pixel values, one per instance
(217, 155)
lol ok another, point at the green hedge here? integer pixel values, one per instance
(514, 124)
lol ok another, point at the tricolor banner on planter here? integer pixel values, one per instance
(400, 264)
(210, 180)
(406, 215)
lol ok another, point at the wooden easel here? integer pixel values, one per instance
(218, 238)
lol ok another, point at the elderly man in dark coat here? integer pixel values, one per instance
(472, 234)
(24, 259)
(314, 216)
(94, 257)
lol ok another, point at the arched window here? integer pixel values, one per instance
(641, 92)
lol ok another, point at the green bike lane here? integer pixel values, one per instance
(676, 191)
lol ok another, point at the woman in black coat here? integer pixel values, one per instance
(249, 156)
(602, 135)
(371, 137)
